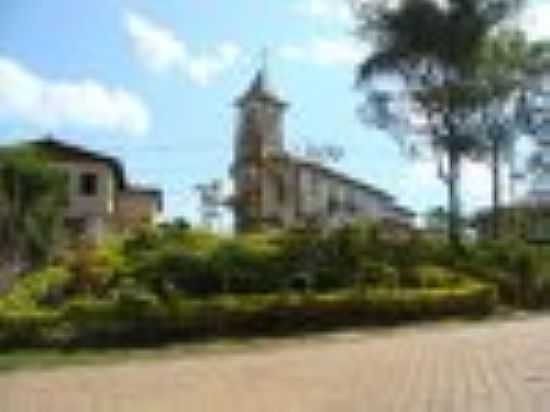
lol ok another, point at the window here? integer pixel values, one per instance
(280, 189)
(332, 205)
(75, 226)
(315, 181)
(88, 184)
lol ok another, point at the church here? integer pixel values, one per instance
(276, 189)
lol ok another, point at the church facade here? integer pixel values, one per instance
(276, 189)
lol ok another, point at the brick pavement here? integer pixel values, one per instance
(500, 367)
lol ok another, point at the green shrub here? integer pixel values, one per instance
(326, 279)
(378, 274)
(174, 267)
(94, 267)
(515, 267)
(199, 264)
(46, 287)
(159, 285)
(431, 276)
(200, 242)
(136, 317)
(27, 327)
(249, 264)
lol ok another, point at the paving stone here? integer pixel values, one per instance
(494, 366)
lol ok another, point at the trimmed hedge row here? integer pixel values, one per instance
(146, 321)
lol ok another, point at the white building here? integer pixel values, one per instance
(274, 188)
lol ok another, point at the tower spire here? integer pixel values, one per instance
(259, 87)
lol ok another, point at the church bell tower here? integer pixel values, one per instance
(259, 137)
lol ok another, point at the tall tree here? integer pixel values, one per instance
(432, 48)
(32, 198)
(500, 72)
(510, 68)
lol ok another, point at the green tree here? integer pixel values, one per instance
(32, 198)
(433, 50)
(509, 67)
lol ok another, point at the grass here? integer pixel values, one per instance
(33, 359)
(45, 359)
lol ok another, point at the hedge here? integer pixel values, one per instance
(147, 321)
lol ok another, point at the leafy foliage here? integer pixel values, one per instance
(140, 318)
(32, 198)
(153, 287)
(435, 51)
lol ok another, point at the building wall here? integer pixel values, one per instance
(259, 131)
(309, 203)
(380, 208)
(101, 204)
(294, 194)
(109, 209)
(135, 209)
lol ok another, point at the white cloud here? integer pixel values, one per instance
(332, 10)
(475, 188)
(326, 51)
(160, 50)
(55, 104)
(157, 47)
(534, 20)
(335, 11)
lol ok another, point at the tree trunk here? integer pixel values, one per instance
(454, 198)
(496, 188)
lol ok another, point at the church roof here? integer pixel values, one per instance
(259, 90)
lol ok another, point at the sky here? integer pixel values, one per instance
(153, 83)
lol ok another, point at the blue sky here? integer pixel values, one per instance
(153, 82)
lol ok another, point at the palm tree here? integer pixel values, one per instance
(433, 50)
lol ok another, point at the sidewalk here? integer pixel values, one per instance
(493, 366)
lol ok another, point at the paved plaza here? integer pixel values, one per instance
(494, 366)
